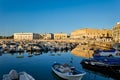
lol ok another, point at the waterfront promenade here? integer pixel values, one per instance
(90, 43)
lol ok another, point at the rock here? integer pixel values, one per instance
(13, 74)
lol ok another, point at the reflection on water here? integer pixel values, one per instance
(39, 64)
(100, 73)
(82, 53)
(56, 77)
(55, 53)
(20, 55)
(92, 75)
(0, 54)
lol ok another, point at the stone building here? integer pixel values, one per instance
(48, 36)
(26, 36)
(59, 36)
(88, 33)
(116, 32)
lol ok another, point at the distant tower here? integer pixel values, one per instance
(118, 22)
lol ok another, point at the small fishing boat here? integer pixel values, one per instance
(114, 54)
(109, 69)
(100, 65)
(108, 60)
(66, 71)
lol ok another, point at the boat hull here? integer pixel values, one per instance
(64, 76)
(107, 70)
(74, 75)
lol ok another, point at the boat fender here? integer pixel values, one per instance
(92, 63)
(86, 62)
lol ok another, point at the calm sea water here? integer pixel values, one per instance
(39, 66)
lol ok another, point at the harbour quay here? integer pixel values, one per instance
(79, 45)
(35, 46)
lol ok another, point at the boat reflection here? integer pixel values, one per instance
(37, 53)
(34, 53)
(0, 54)
(20, 55)
(55, 54)
(30, 54)
(56, 77)
(101, 73)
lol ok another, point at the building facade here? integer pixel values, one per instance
(60, 36)
(47, 36)
(26, 36)
(116, 32)
(88, 33)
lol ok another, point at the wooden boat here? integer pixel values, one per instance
(108, 60)
(102, 68)
(100, 65)
(66, 71)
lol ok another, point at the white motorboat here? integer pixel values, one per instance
(20, 48)
(66, 71)
(36, 48)
(5, 47)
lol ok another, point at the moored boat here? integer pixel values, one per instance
(20, 48)
(66, 71)
(112, 52)
(12, 50)
(100, 65)
(107, 69)
(108, 60)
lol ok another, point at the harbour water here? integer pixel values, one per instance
(39, 66)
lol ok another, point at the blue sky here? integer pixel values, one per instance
(54, 16)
